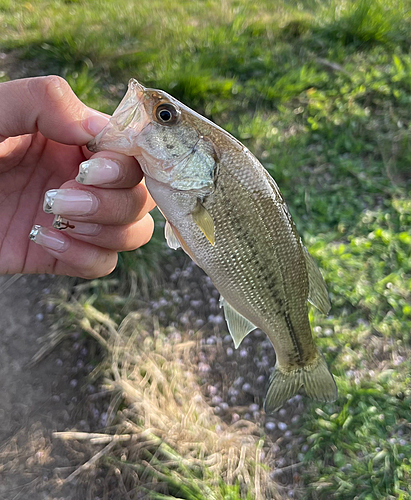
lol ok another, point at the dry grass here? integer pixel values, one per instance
(163, 439)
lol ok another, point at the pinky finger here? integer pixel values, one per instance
(74, 257)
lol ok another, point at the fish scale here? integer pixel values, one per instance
(265, 280)
(228, 214)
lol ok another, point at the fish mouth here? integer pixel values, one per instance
(128, 120)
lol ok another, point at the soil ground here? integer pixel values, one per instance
(35, 399)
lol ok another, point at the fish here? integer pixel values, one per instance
(227, 213)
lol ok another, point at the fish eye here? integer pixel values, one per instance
(167, 113)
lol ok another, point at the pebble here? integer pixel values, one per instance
(103, 419)
(212, 390)
(254, 407)
(270, 426)
(282, 426)
(95, 413)
(39, 317)
(184, 320)
(73, 383)
(232, 392)
(216, 400)
(196, 303)
(50, 307)
(246, 387)
(229, 351)
(204, 367)
(238, 381)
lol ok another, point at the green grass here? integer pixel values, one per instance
(320, 92)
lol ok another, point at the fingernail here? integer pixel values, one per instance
(95, 122)
(69, 202)
(49, 238)
(98, 171)
(85, 228)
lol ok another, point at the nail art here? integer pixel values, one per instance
(98, 171)
(70, 202)
(49, 198)
(49, 238)
(34, 232)
(61, 223)
(83, 171)
(84, 228)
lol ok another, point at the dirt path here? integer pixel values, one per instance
(34, 401)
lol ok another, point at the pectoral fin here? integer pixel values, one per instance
(204, 221)
(317, 294)
(238, 326)
(171, 238)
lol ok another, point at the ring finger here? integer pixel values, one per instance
(119, 238)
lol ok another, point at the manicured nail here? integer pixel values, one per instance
(95, 122)
(49, 238)
(98, 171)
(85, 228)
(69, 202)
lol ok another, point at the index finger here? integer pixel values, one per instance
(47, 104)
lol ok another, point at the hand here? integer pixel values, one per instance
(43, 130)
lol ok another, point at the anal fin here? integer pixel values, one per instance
(238, 326)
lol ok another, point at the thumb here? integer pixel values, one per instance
(48, 105)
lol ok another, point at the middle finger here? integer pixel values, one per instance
(102, 206)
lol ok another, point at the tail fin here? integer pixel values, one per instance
(316, 379)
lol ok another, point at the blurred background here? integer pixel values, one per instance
(320, 92)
